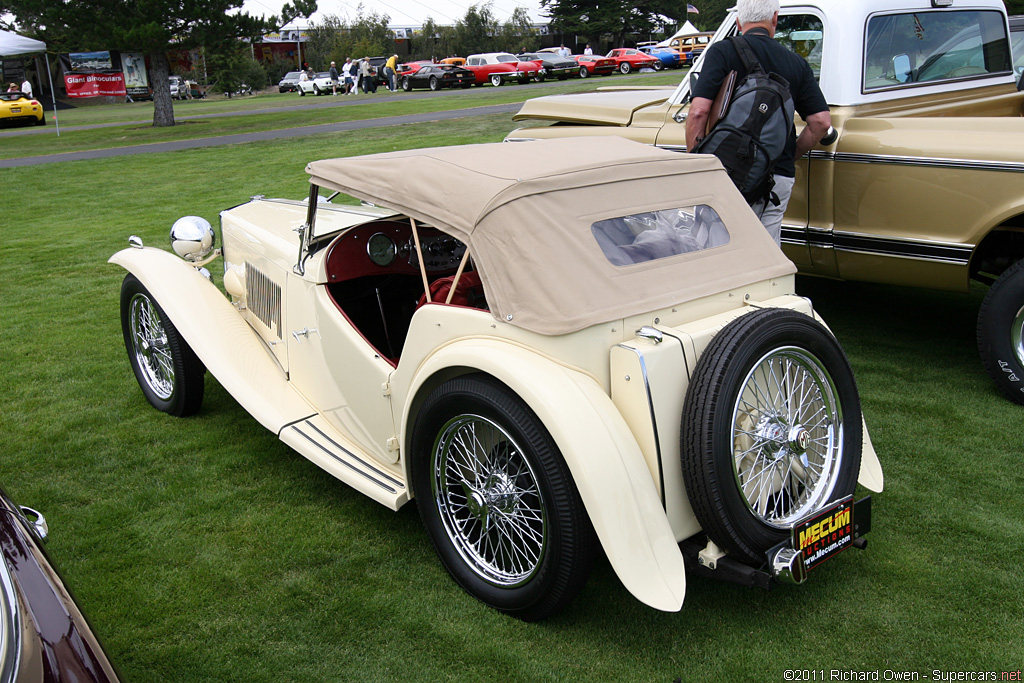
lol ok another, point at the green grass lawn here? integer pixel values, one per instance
(131, 124)
(206, 550)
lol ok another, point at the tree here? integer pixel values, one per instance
(475, 32)
(617, 18)
(517, 33)
(149, 26)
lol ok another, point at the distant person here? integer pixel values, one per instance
(26, 87)
(346, 75)
(366, 76)
(13, 87)
(563, 51)
(587, 50)
(334, 79)
(389, 72)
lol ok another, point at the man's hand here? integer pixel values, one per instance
(817, 125)
(697, 121)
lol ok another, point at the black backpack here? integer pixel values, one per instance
(751, 135)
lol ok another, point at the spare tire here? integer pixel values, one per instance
(771, 430)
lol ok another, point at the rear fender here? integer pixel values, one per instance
(605, 461)
(218, 335)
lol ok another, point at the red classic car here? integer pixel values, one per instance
(591, 65)
(627, 59)
(497, 67)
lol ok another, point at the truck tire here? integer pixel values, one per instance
(1001, 332)
(771, 430)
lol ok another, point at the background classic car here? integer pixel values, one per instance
(416, 352)
(43, 635)
(497, 67)
(921, 187)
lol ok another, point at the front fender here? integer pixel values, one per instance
(226, 344)
(605, 461)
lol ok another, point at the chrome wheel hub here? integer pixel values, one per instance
(488, 500)
(787, 436)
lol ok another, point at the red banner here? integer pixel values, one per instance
(95, 85)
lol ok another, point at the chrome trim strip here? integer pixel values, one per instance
(896, 247)
(347, 464)
(928, 162)
(654, 420)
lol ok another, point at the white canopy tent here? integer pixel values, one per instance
(12, 45)
(686, 29)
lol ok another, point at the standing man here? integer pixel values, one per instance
(563, 51)
(26, 86)
(366, 76)
(757, 20)
(587, 50)
(346, 74)
(389, 72)
(334, 79)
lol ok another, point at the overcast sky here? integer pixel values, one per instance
(404, 12)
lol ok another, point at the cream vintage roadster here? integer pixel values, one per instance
(555, 347)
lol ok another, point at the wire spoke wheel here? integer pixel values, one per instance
(488, 499)
(771, 430)
(149, 344)
(497, 499)
(787, 436)
(167, 370)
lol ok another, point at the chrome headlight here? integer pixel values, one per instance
(192, 238)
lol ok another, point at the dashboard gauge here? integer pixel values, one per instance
(381, 249)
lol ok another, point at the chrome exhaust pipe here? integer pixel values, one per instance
(787, 566)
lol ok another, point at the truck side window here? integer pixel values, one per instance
(803, 34)
(925, 47)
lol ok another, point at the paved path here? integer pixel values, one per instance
(253, 137)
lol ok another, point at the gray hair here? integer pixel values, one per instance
(756, 11)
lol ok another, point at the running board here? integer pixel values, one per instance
(329, 449)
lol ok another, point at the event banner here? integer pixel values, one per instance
(95, 85)
(93, 74)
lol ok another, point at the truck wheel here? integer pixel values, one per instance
(1001, 332)
(168, 371)
(771, 430)
(625, 67)
(495, 80)
(497, 499)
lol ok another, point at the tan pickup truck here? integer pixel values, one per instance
(924, 185)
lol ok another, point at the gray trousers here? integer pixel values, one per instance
(771, 215)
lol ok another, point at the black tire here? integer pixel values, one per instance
(1001, 332)
(625, 67)
(434, 84)
(584, 73)
(771, 399)
(520, 492)
(658, 65)
(496, 80)
(42, 121)
(302, 93)
(406, 84)
(168, 371)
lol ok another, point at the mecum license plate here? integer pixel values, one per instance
(15, 110)
(825, 534)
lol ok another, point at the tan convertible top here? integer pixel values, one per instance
(526, 212)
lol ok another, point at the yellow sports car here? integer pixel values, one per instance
(17, 106)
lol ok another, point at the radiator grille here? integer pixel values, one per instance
(263, 297)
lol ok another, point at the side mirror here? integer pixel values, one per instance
(901, 67)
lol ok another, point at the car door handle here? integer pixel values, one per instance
(304, 332)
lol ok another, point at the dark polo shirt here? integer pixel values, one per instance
(721, 58)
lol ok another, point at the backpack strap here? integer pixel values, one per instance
(747, 56)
